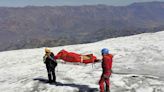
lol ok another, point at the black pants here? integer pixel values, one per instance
(51, 73)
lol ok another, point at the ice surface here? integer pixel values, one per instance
(138, 67)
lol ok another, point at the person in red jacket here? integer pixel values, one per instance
(106, 67)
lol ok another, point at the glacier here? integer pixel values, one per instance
(138, 66)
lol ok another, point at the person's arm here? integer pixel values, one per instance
(44, 58)
(52, 57)
(107, 64)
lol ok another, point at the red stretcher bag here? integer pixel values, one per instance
(74, 57)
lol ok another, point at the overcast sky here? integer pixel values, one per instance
(20, 3)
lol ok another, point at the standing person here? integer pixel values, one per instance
(106, 67)
(50, 65)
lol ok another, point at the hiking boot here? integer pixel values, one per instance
(49, 78)
(107, 89)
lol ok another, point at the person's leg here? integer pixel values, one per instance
(101, 84)
(54, 75)
(107, 82)
(49, 77)
(49, 73)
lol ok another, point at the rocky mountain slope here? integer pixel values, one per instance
(30, 27)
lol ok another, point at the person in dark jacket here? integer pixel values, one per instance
(106, 67)
(50, 65)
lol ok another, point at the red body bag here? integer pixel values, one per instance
(74, 57)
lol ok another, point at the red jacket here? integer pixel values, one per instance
(107, 64)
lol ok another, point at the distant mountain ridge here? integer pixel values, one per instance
(31, 26)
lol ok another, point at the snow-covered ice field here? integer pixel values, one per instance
(138, 66)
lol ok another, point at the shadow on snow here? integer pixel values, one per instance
(82, 88)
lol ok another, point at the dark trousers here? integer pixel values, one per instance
(51, 74)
